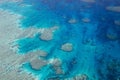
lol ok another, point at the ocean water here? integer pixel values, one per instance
(92, 27)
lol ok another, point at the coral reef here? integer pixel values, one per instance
(79, 39)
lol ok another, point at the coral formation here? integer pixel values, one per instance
(77, 39)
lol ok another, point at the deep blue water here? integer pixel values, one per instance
(96, 44)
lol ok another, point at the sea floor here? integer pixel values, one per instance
(60, 40)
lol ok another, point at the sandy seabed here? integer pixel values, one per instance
(9, 60)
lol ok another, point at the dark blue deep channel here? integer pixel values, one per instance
(89, 28)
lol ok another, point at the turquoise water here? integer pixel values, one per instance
(94, 35)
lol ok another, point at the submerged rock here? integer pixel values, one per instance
(84, 35)
(48, 33)
(91, 1)
(58, 70)
(37, 63)
(117, 22)
(72, 21)
(54, 79)
(56, 65)
(55, 62)
(113, 8)
(40, 53)
(86, 20)
(112, 35)
(81, 77)
(67, 47)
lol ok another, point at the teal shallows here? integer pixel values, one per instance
(32, 17)
(89, 38)
(30, 44)
(44, 72)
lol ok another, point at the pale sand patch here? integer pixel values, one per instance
(86, 20)
(56, 65)
(117, 22)
(72, 21)
(38, 63)
(113, 8)
(29, 57)
(67, 47)
(55, 62)
(30, 32)
(47, 34)
(2, 1)
(90, 1)
(111, 37)
(9, 60)
(80, 77)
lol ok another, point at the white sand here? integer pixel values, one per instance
(9, 60)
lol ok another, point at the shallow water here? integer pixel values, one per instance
(92, 29)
